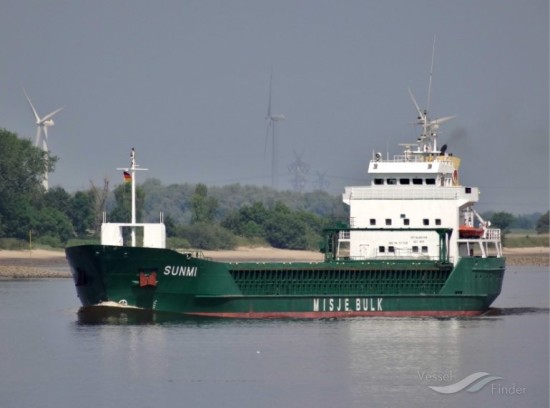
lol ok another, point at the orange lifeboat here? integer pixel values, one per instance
(466, 231)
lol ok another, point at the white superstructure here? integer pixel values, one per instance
(411, 196)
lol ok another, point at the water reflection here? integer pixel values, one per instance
(102, 315)
(511, 311)
(54, 357)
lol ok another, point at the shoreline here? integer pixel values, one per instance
(38, 263)
(41, 263)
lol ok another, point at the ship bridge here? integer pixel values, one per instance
(415, 169)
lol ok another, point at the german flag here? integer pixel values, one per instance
(127, 177)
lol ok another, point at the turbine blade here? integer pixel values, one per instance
(52, 114)
(431, 75)
(32, 107)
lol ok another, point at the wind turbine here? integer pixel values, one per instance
(272, 120)
(42, 125)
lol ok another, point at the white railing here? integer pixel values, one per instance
(415, 158)
(492, 234)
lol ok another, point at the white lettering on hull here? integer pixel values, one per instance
(179, 270)
(347, 304)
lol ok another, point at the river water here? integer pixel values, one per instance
(51, 357)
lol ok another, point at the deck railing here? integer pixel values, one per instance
(492, 234)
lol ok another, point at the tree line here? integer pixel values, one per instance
(224, 217)
(196, 216)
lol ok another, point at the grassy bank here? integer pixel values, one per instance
(528, 239)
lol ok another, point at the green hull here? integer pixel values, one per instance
(162, 280)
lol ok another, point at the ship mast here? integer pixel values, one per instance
(132, 170)
(427, 141)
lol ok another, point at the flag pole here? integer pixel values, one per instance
(133, 173)
(132, 170)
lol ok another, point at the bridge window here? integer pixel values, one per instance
(415, 249)
(424, 249)
(417, 181)
(391, 181)
(406, 221)
(430, 181)
(388, 221)
(404, 181)
(468, 190)
(391, 249)
(437, 221)
(372, 221)
(378, 181)
(426, 221)
(381, 249)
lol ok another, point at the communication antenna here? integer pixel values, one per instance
(427, 141)
(431, 76)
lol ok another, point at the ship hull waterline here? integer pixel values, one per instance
(166, 281)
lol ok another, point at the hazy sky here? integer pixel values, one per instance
(186, 84)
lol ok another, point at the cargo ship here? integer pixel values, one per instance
(413, 246)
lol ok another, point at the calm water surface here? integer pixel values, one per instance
(51, 358)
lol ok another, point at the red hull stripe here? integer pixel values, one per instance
(324, 315)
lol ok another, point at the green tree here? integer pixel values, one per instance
(248, 221)
(20, 218)
(284, 231)
(207, 236)
(204, 207)
(81, 212)
(57, 198)
(51, 216)
(542, 223)
(22, 168)
(123, 207)
(502, 220)
(171, 227)
(280, 226)
(50, 222)
(292, 229)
